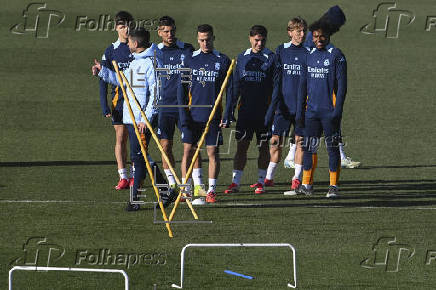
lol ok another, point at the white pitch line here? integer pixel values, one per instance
(60, 201)
(332, 206)
(218, 204)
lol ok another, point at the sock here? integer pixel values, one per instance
(333, 178)
(307, 176)
(170, 177)
(262, 174)
(132, 171)
(342, 151)
(212, 184)
(314, 165)
(123, 173)
(196, 176)
(291, 153)
(298, 171)
(237, 175)
(271, 170)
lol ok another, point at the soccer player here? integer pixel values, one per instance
(173, 53)
(118, 51)
(323, 94)
(290, 59)
(253, 83)
(336, 18)
(208, 69)
(141, 75)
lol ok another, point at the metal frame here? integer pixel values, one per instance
(182, 258)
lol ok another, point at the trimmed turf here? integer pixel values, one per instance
(56, 146)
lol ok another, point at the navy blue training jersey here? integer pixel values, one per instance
(208, 73)
(172, 59)
(326, 84)
(290, 63)
(119, 52)
(252, 80)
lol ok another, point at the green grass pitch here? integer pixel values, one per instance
(57, 148)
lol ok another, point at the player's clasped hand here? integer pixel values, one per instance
(96, 67)
(142, 128)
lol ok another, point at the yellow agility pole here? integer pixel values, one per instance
(144, 152)
(153, 134)
(203, 136)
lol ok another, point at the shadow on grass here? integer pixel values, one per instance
(335, 203)
(395, 166)
(75, 163)
(54, 163)
(354, 193)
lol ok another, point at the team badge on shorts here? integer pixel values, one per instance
(217, 66)
(326, 62)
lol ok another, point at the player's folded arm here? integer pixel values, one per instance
(301, 98)
(104, 85)
(182, 101)
(232, 96)
(103, 97)
(341, 76)
(276, 98)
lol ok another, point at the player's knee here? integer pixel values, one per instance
(311, 144)
(212, 152)
(166, 146)
(275, 141)
(332, 142)
(137, 158)
(187, 150)
(299, 141)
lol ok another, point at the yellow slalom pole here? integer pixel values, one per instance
(143, 150)
(203, 136)
(153, 134)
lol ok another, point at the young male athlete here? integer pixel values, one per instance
(118, 51)
(141, 75)
(173, 52)
(253, 83)
(290, 59)
(208, 70)
(336, 18)
(323, 94)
